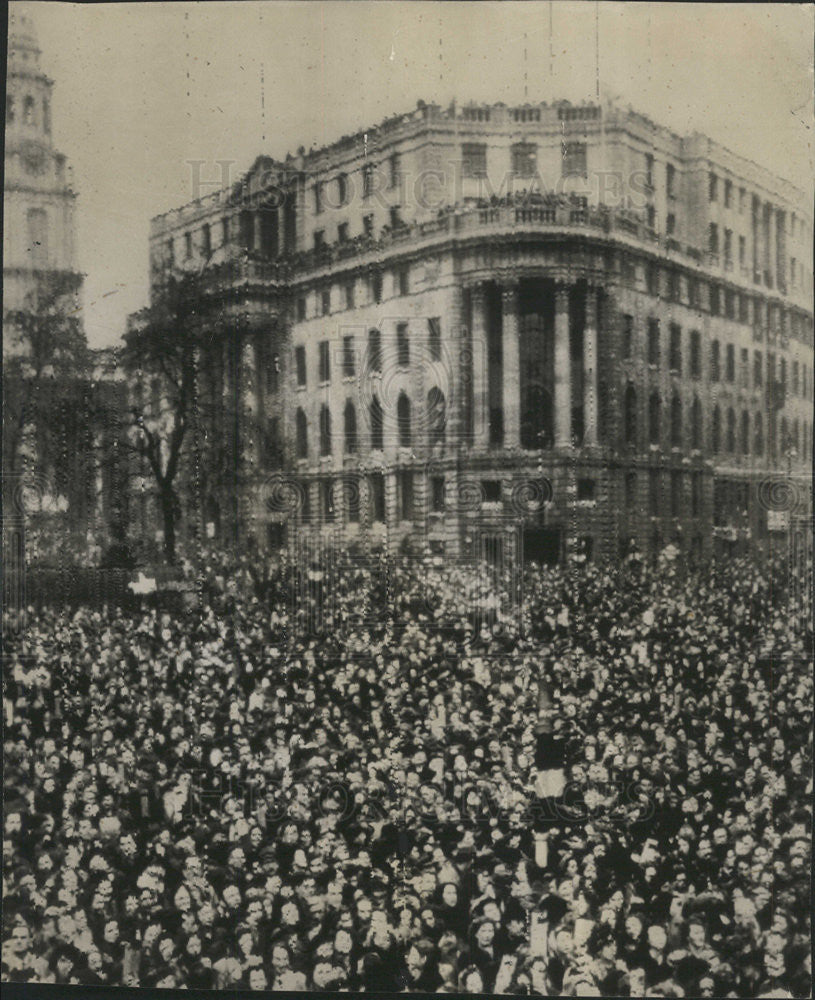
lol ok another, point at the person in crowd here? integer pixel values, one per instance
(336, 787)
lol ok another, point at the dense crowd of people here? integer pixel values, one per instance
(329, 778)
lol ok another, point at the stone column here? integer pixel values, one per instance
(563, 370)
(590, 398)
(478, 340)
(510, 348)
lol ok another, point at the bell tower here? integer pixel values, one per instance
(39, 199)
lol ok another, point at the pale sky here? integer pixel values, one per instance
(143, 88)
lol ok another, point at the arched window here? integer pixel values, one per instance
(403, 419)
(301, 432)
(716, 431)
(377, 424)
(758, 435)
(696, 423)
(731, 431)
(350, 428)
(630, 415)
(654, 418)
(676, 421)
(325, 430)
(374, 351)
(745, 433)
(436, 415)
(28, 110)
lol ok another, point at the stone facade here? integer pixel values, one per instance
(557, 327)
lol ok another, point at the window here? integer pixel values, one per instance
(715, 300)
(342, 189)
(28, 111)
(225, 230)
(342, 232)
(630, 490)
(437, 493)
(742, 251)
(325, 361)
(325, 301)
(405, 484)
(368, 225)
(396, 217)
(728, 193)
(301, 433)
(300, 364)
(745, 433)
(403, 420)
(715, 371)
(377, 486)
(728, 247)
(436, 416)
(628, 335)
(434, 337)
(319, 239)
(795, 378)
(271, 441)
(188, 245)
(716, 431)
(731, 431)
(652, 217)
(649, 170)
(654, 418)
(676, 492)
(474, 159)
(653, 341)
(676, 421)
(730, 363)
(402, 345)
(374, 351)
(170, 253)
(758, 369)
(395, 171)
(713, 239)
(574, 159)
(206, 240)
(325, 430)
(676, 349)
(376, 286)
(630, 416)
(652, 279)
(744, 309)
(653, 492)
(758, 435)
(377, 425)
(367, 180)
(403, 280)
(350, 428)
(349, 295)
(670, 224)
(712, 187)
(744, 367)
(318, 198)
(524, 159)
(327, 499)
(301, 309)
(273, 374)
(670, 180)
(674, 286)
(695, 354)
(585, 489)
(694, 297)
(742, 199)
(696, 424)
(348, 367)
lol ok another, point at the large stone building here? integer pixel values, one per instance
(561, 327)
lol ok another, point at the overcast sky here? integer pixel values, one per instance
(143, 88)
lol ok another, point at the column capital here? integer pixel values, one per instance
(562, 296)
(477, 291)
(509, 295)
